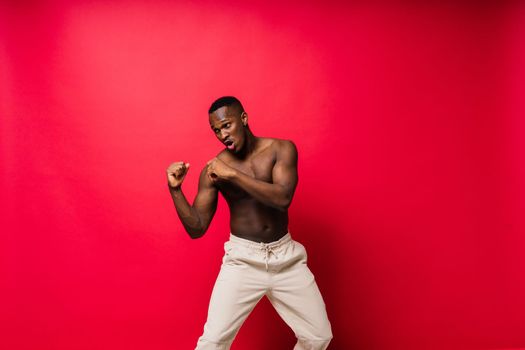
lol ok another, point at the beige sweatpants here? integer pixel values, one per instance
(251, 270)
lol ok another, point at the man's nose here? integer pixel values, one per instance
(224, 135)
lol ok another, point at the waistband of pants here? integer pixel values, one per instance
(258, 245)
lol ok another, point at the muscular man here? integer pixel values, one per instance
(257, 177)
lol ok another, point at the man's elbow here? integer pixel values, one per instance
(195, 233)
(284, 203)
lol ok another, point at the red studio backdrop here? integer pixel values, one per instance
(408, 118)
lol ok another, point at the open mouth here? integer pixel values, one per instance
(229, 144)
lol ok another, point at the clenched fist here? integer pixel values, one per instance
(218, 170)
(176, 173)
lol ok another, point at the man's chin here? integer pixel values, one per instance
(235, 150)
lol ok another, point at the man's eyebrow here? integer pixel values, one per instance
(220, 123)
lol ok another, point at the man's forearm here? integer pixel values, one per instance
(273, 195)
(187, 214)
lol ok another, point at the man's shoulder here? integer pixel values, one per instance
(279, 143)
(283, 149)
(225, 156)
(283, 145)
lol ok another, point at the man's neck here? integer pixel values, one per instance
(249, 146)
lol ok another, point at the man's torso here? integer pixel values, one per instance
(249, 218)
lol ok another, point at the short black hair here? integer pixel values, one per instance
(226, 101)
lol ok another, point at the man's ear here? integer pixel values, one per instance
(244, 118)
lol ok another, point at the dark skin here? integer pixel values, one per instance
(257, 176)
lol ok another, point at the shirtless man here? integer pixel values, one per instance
(257, 177)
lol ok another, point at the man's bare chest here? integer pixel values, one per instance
(260, 167)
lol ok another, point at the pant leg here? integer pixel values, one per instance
(296, 297)
(237, 290)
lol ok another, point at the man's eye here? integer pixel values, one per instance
(215, 130)
(227, 125)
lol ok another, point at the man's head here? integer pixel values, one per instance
(229, 122)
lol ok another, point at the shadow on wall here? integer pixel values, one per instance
(333, 267)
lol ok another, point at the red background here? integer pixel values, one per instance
(409, 123)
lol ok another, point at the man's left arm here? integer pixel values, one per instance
(279, 193)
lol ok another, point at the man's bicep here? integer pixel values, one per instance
(285, 168)
(206, 200)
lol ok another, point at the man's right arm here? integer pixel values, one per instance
(197, 217)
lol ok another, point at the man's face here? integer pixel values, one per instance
(227, 125)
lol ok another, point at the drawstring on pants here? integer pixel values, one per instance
(268, 248)
(267, 251)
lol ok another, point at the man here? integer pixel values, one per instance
(257, 177)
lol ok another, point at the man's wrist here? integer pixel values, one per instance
(233, 175)
(176, 189)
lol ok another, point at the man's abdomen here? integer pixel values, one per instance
(256, 222)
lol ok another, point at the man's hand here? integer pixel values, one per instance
(218, 170)
(176, 173)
